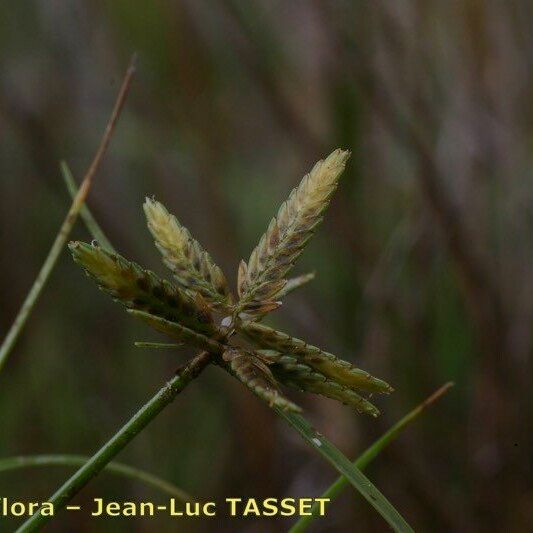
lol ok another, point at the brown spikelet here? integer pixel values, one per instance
(290, 230)
(254, 309)
(191, 265)
(179, 332)
(253, 373)
(289, 371)
(141, 289)
(342, 372)
(304, 378)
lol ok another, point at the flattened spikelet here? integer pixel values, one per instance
(326, 363)
(250, 371)
(141, 289)
(290, 372)
(290, 230)
(191, 265)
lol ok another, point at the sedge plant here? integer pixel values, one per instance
(198, 308)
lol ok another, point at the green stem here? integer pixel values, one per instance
(72, 215)
(143, 344)
(14, 463)
(119, 441)
(35, 291)
(87, 217)
(368, 455)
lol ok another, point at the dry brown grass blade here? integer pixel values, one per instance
(192, 266)
(288, 233)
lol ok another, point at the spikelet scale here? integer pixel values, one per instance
(253, 373)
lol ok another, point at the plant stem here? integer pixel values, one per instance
(119, 441)
(85, 214)
(14, 463)
(350, 471)
(143, 344)
(369, 454)
(68, 223)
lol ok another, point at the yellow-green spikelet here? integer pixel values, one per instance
(141, 289)
(288, 371)
(323, 362)
(283, 242)
(192, 266)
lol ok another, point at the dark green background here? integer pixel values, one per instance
(423, 262)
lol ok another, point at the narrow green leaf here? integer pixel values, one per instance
(144, 344)
(90, 222)
(29, 461)
(347, 469)
(118, 441)
(178, 332)
(369, 455)
(64, 231)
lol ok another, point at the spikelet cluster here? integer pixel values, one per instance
(321, 361)
(263, 277)
(290, 371)
(185, 311)
(191, 265)
(141, 289)
(309, 368)
(252, 372)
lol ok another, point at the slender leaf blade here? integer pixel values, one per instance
(350, 471)
(32, 461)
(370, 454)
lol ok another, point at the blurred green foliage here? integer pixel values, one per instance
(423, 264)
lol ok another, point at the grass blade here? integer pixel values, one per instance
(66, 227)
(119, 441)
(370, 454)
(157, 345)
(347, 469)
(14, 463)
(94, 228)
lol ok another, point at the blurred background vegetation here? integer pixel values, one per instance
(424, 263)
